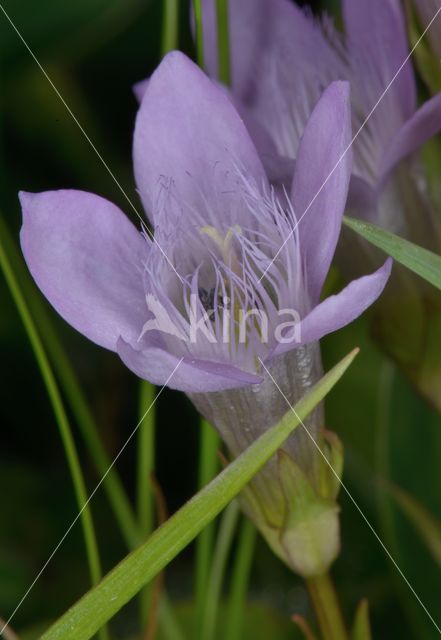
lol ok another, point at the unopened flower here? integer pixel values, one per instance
(230, 286)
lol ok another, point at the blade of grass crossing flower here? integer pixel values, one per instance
(240, 580)
(170, 21)
(224, 540)
(82, 620)
(61, 420)
(421, 261)
(146, 461)
(223, 41)
(208, 467)
(197, 5)
(112, 484)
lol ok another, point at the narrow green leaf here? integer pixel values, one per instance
(425, 523)
(138, 568)
(421, 261)
(361, 629)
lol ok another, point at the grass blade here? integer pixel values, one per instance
(421, 261)
(137, 569)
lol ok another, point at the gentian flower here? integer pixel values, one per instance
(281, 60)
(231, 283)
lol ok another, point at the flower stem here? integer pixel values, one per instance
(223, 41)
(208, 465)
(146, 457)
(197, 4)
(240, 580)
(224, 540)
(170, 26)
(327, 608)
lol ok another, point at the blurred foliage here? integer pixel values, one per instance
(94, 50)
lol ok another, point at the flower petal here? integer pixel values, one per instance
(192, 376)
(377, 36)
(189, 136)
(87, 258)
(339, 310)
(139, 89)
(321, 180)
(422, 126)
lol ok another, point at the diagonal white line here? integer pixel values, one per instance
(355, 503)
(81, 128)
(368, 117)
(43, 568)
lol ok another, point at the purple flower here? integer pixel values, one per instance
(227, 296)
(226, 247)
(283, 59)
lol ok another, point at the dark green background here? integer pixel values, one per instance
(94, 50)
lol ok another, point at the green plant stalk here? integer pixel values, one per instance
(223, 42)
(223, 545)
(62, 422)
(169, 628)
(170, 24)
(112, 485)
(197, 7)
(382, 453)
(208, 466)
(97, 606)
(145, 466)
(327, 608)
(240, 580)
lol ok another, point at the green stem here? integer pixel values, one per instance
(170, 23)
(62, 422)
(112, 484)
(382, 451)
(225, 538)
(197, 4)
(327, 608)
(146, 459)
(208, 465)
(223, 41)
(240, 580)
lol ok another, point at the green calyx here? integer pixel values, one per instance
(305, 531)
